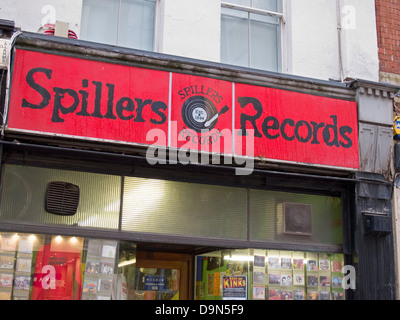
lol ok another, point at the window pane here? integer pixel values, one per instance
(59, 267)
(269, 275)
(24, 199)
(100, 21)
(245, 3)
(264, 44)
(270, 5)
(181, 208)
(267, 216)
(234, 38)
(136, 28)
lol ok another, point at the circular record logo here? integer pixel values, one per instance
(200, 114)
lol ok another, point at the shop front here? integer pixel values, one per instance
(151, 178)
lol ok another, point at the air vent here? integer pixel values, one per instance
(62, 198)
(297, 218)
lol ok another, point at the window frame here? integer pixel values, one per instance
(155, 45)
(282, 43)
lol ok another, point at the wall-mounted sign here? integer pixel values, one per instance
(56, 95)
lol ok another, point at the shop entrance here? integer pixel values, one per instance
(163, 276)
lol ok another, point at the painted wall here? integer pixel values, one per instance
(315, 39)
(30, 14)
(191, 28)
(360, 42)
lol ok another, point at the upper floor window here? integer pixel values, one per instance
(126, 23)
(251, 33)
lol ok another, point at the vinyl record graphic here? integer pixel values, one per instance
(197, 111)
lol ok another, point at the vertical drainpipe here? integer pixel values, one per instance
(396, 222)
(339, 32)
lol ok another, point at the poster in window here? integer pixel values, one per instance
(25, 245)
(259, 277)
(217, 279)
(6, 262)
(324, 265)
(210, 286)
(22, 283)
(274, 278)
(298, 264)
(273, 263)
(324, 281)
(105, 285)
(106, 267)
(286, 263)
(94, 247)
(258, 293)
(324, 295)
(337, 282)
(8, 243)
(298, 294)
(312, 281)
(234, 288)
(90, 286)
(274, 294)
(286, 295)
(298, 279)
(24, 265)
(259, 261)
(286, 280)
(108, 251)
(338, 295)
(336, 266)
(312, 295)
(6, 280)
(92, 267)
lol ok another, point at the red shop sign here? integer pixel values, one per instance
(57, 95)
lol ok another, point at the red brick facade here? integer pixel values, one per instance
(388, 29)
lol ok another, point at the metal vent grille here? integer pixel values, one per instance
(297, 218)
(62, 198)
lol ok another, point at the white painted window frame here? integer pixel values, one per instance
(285, 36)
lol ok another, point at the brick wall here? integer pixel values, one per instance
(388, 29)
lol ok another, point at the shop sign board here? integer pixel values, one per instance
(74, 97)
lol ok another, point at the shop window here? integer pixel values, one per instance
(126, 23)
(180, 208)
(255, 274)
(30, 197)
(317, 219)
(251, 33)
(54, 267)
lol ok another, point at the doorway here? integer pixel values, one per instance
(163, 276)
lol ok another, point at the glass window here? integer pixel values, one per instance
(315, 219)
(182, 208)
(27, 199)
(255, 274)
(57, 267)
(127, 23)
(250, 33)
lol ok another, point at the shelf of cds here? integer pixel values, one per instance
(269, 275)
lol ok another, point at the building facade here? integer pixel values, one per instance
(173, 149)
(388, 41)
